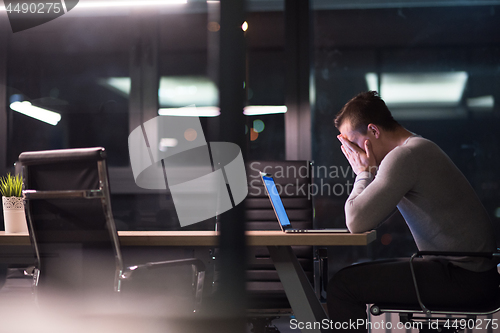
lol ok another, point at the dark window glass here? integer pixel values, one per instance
(436, 68)
(62, 67)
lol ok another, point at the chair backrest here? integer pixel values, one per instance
(292, 178)
(69, 218)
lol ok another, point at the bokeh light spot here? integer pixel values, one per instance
(190, 134)
(213, 26)
(386, 239)
(258, 125)
(253, 135)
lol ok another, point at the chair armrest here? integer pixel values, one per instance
(488, 255)
(87, 194)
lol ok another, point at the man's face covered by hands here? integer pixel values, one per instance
(358, 148)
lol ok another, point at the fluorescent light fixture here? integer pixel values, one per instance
(179, 91)
(30, 110)
(372, 81)
(166, 143)
(121, 85)
(442, 89)
(174, 91)
(141, 3)
(213, 111)
(255, 110)
(191, 111)
(485, 103)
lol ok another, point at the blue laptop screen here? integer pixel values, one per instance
(276, 200)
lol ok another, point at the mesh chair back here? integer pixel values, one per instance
(74, 237)
(292, 178)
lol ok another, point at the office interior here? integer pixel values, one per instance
(107, 70)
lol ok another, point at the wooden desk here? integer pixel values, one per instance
(305, 304)
(209, 238)
(254, 238)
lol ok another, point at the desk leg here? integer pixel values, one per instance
(207, 255)
(306, 306)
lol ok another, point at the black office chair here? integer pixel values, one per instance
(266, 296)
(440, 316)
(71, 225)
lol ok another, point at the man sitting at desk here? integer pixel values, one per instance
(396, 168)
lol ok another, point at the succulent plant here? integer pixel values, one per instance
(11, 186)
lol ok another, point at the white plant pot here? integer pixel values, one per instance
(14, 216)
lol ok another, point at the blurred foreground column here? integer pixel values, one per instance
(231, 298)
(299, 80)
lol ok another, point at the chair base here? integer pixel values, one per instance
(436, 323)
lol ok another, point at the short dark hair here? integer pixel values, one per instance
(364, 109)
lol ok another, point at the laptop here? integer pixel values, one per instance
(279, 209)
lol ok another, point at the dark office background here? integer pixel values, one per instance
(65, 65)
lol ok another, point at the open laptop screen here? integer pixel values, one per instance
(272, 191)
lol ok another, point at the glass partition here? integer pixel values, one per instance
(62, 67)
(437, 69)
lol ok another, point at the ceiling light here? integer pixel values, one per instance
(481, 103)
(255, 110)
(443, 89)
(179, 91)
(166, 143)
(174, 91)
(120, 85)
(244, 26)
(41, 114)
(204, 111)
(142, 3)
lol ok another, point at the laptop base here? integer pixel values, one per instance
(333, 231)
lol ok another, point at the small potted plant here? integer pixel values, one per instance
(14, 215)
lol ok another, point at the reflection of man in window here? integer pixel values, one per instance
(398, 169)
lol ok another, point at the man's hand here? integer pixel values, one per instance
(360, 160)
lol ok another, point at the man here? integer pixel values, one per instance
(397, 169)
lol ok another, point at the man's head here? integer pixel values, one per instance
(364, 109)
(366, 117)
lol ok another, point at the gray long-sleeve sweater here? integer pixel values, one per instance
(439, 205)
